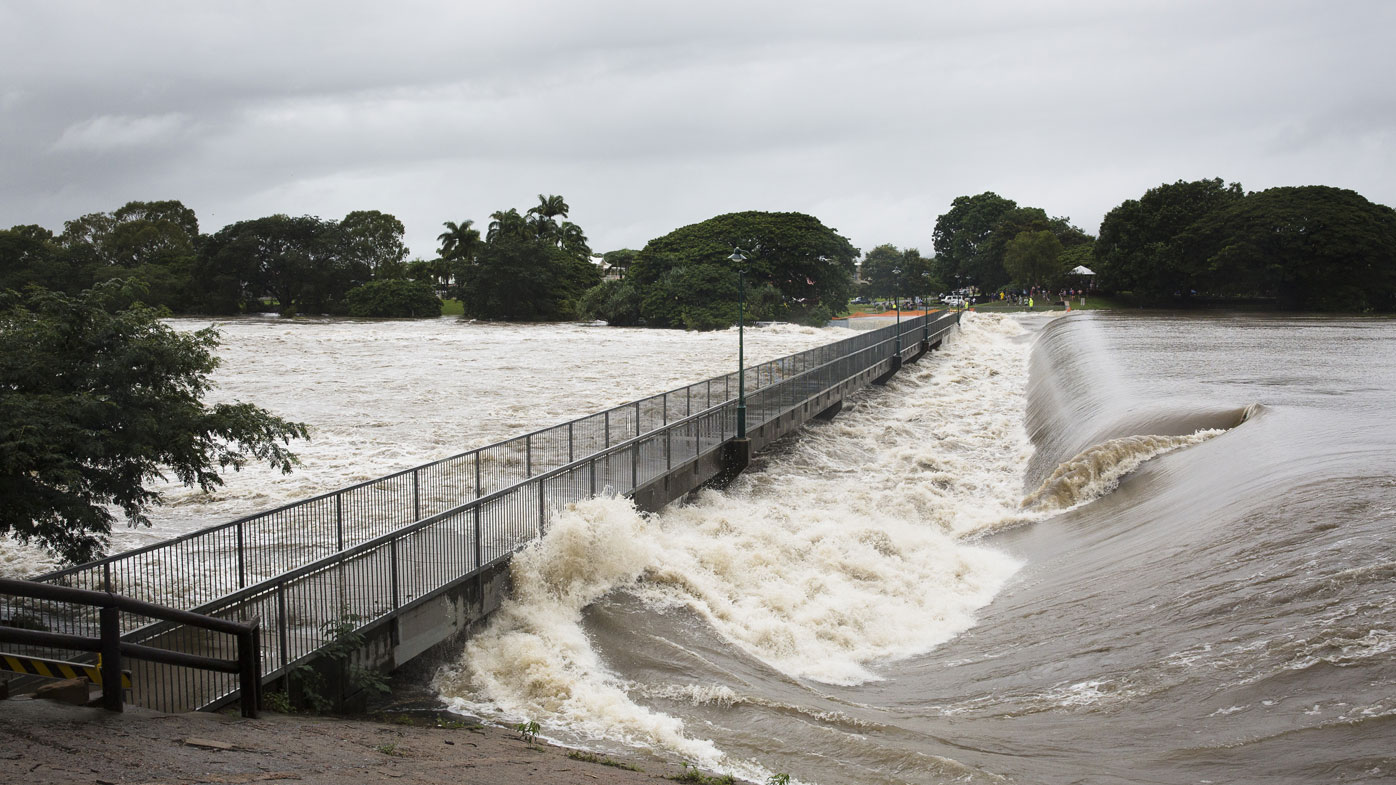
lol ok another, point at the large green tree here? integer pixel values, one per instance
(296, 261)
(1032, 258)
(1310, 248)
(888, 272)
(95, 404)
(797, 269)
(150, 244)
(521, 278)
(529, 267)
(972, 239)
(961, 231)
(615, 301)
(31, 255)
(1135, 250)
(371, 243)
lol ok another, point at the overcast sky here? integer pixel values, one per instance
(650, 115)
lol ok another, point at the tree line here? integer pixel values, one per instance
(1296, 248)
(287, 264)
(1310, 247)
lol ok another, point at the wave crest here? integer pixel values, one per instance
(1097, 471)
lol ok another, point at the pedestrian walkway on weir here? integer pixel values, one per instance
(411, 560)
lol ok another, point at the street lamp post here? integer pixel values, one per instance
(738, 259)
(897, 299)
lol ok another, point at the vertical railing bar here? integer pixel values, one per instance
(542, 509)
(283, 627)
(110, 625)
(479, 544)
(416, 497)
(242, 569)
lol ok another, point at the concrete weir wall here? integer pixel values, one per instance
(432, 630)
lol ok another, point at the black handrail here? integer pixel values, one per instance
(249, 650)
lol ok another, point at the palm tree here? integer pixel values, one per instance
(503, 224)
(572, 240)
(459, 240)
(550, 207)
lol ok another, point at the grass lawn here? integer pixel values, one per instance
(1093, 303)
(452, 308)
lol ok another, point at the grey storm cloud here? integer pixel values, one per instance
(647, 116)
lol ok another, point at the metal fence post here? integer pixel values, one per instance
(479, 545)
(528, 456)
(416, 497)
(339, 521)
(110, 620)
(242, 568)
(283, 627)
(542, 510)
(570, 457)
(250, 669)
(392, 554)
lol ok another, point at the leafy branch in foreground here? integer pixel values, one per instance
(95, 404)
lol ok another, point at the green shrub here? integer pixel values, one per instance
(394, 298)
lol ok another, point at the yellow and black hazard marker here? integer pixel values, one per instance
(57, 669)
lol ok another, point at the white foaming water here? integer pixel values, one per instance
(1097, 471)
(847, 550)
(380, 396)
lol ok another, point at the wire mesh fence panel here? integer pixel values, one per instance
(446, 484)
(622, 425)
(615, 473)
(589, 436)
(432, 556)
(502, 465)
(509, 521)
(548, 450)
(652, 413)
(682, 444)
(376, 508)
(566, 488)
(651, 458)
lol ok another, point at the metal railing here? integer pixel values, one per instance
(197, 567)
(220, 639)
(386, 572)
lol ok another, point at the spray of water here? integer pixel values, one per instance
(852, 546)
